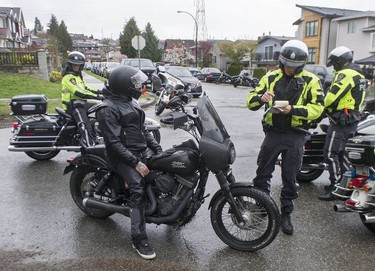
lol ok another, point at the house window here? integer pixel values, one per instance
(351, 27)
(311, 29)
(312, 55)
(372, 42)
(268, 52)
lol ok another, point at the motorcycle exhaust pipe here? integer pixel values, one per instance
(340, 208)
(106, 206)
(368, 218)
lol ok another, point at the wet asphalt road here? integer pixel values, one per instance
(42, 229)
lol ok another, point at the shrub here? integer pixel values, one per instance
(259, 72)
(55, 77)
(235, 69)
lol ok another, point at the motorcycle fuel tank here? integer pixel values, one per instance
(181, 162)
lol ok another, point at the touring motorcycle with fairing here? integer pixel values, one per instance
(243, 217)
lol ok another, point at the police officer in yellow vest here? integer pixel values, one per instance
(75, 93)
(300, 92)
(342, 103)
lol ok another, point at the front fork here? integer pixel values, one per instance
(224, 185)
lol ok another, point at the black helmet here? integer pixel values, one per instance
(293, 54)
(126, 80)
(339, 56)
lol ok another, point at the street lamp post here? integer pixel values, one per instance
(196, 35)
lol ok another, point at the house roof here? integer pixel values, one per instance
(363, 14)
(369, 28)
(328, 12)
(367, 60)
(170, 43)
(278, 38)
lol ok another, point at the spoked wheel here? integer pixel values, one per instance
(42, 155)
(159, 107)
(82, 183)
(260, 213)
(308, 175)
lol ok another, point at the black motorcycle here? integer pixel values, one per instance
(243, 217)
(245, 80)
(42, 136)
(224, 78)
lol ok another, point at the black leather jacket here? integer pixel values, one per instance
(121, 123)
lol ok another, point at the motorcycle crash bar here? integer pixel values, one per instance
(53, 148)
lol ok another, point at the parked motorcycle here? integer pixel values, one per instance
(313, 161)
(224, 78)
(244, 217)
(357, 187)
(244, 79)
(42, 136)
(171, 93)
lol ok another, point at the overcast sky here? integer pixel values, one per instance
(225, 19)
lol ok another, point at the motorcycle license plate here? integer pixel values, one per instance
(364, 171)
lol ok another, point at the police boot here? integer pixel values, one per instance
(328, 196)
(139, 236)
(286, 224)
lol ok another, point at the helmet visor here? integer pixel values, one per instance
(138, 78)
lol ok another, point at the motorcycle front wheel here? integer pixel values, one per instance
(42, 155)
(261, 215)
(82, 183)
(159, 107)
(308, 175)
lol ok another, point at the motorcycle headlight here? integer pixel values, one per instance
(232, 155)
(198, 84)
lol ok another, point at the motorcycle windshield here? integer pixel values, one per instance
(212, 125)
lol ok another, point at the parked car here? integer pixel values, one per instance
(184, 74)
(324, 73)
(146, 66)
(194, 71)
(209, 74)
(109, 68)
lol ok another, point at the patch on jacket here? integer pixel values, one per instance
(73, 81)
(340, 77)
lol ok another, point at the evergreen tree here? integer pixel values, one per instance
(64, 40)
(37, 26)
(53, 26)
(151, 49)
(130, 30)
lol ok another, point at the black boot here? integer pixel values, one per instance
(328, 196)
(139, 236)
(286, 224)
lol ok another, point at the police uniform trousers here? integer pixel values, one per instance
(78, 109)
(334, 149)
(290, 144)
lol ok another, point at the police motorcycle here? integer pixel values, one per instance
(357, 187)
(243, 217)
(170, 91)
(313, 164)
(42, 136)
(244, 79)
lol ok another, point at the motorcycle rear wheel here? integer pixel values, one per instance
(159, 108)
(42, 155)
(84, 180)
(262, 219)
(308, 175)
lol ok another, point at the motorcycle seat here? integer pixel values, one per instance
(62, 113)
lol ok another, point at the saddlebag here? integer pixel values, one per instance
(29, 104)
(360, 150)
(37, 132)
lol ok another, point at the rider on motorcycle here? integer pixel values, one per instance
(75, 93)
(342, 103)
(129, 145)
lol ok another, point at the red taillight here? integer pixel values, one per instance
(15, 125)
(350, 202)
(358, 182)
(209, 75)
(70, 160)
